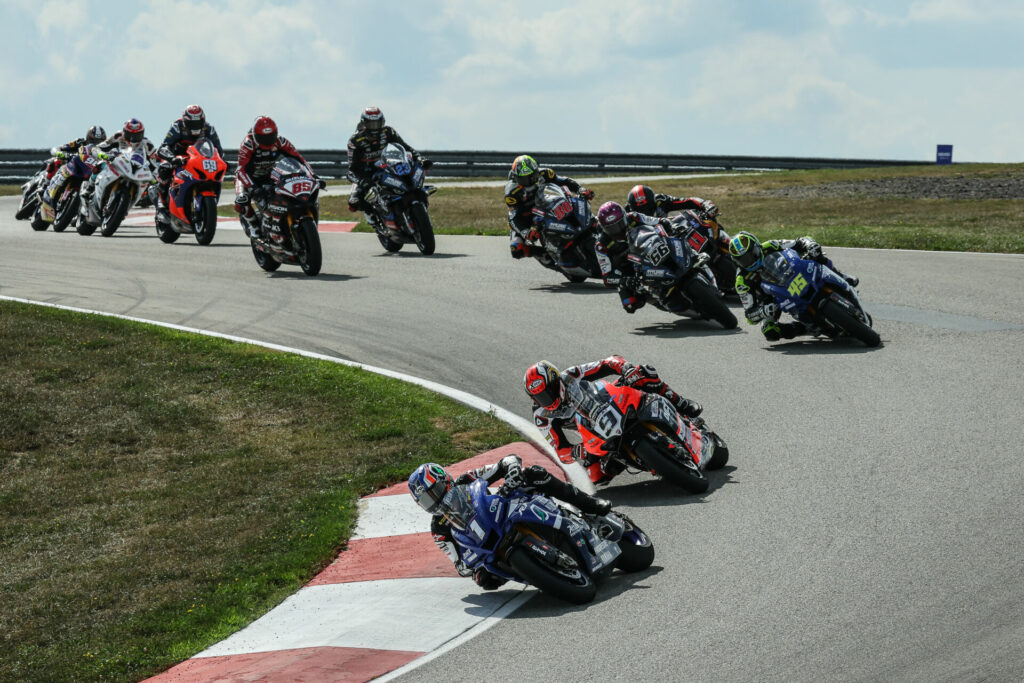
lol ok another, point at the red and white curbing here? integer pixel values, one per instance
(389, 601)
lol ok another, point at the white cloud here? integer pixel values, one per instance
(62, 16)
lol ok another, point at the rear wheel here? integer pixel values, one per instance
(66, 210)
(29, 203)
(264, 260)
(637, 548)
(573, 586)
(205, 224)
(685, 475)
(389, 243)
(423, 228)
(721, 454)
(84, 228)
(575, 279)
(706, 300)
(311, 257)
(118, 210)
(845, 321)
(38, 224)
(166, 234)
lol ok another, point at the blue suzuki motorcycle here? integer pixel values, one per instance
(527, 537)
(816, 296)
(400, 202)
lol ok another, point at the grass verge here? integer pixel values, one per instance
(159, 490)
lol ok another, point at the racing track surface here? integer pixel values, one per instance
(868, 527)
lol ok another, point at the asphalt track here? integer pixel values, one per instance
(869, 526)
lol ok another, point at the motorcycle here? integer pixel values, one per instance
(192, 196)
(624, 428)
(31, 192)
(706, 236)
(565, 233)
(400, 201)
(285, 227)
(527, 537)
(678, 279)
(60, 200)
(814, 294)
(117, 187)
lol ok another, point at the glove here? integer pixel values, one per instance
(770, 311)
(61, 155)
(586, 194)
(102, 156)
(513, 472)
(631, 374)
(323, 183)
(809, 247)
(178, 161)
(708, 207)
(426, 163)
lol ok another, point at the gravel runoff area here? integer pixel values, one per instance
(956, 187)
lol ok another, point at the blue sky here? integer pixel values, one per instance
(831, 78)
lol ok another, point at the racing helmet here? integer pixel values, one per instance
(372, 119)
(746, 251)
(264, 131)
(641, 200)
(543, 383)
(94, 135)
(525, 171)
(428, 486)
(133, 131)
(612, 219)
(193, 118)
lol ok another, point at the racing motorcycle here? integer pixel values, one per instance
(705, 236)
(527, 537)
(192, 196)
(565, 233)
(123, 179)
(676, 278)
(60, 200)
(31, 192)
(818, 297)
(623, 427)
(400, 201)
(285, 227)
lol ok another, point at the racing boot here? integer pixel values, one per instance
(685, 406)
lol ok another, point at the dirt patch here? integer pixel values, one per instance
(954, 187)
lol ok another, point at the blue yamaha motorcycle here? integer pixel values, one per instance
(816, 296)
(527, 537)
(400, 202)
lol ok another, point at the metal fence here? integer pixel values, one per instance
(17, 165)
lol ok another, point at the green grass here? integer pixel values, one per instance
(160, 490)
(990, 225)
(8, 190)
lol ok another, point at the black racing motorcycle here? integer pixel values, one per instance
(284, 230)
(400, 201)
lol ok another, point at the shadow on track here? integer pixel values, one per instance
(297, 274)
(656, 492)
(543, 606)
(822, 345)
(575, 288)
(416, 254)
(684, 327)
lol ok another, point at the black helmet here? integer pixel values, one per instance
(372, 119)
(641, 200)
(194, 118)
(94, 135)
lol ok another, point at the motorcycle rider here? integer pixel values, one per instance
(430, 485)
(259, 151)
(524, 183)
(131, 136)
(642, 199)
(182, 134)
(60, 153)
(364, 149)
(613, 248)
(555, 399)
(748, 255)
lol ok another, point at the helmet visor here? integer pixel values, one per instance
(751, 258)
(373, 125)
(265, 140)
(194, 127)
(134, 137)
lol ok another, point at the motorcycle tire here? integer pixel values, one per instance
(166, 233)
(38, 224)
(546, 578)
(66, 210)
(708, 302)
(691, 480)
(575, 279)
(637, 549)
(311, 257)
(205, 224)
(844, 320)
(26, 209)
(264, 260)
(721, 456)
(389, 244)
(85, 229)
(423, 228)
(118, 210)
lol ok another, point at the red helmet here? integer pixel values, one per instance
(372, 119)
(133, 131)
(544, 385)
(641, 200)
(264, 132)
(194, 119)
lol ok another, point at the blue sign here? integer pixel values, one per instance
(944, 154)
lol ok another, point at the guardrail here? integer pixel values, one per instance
(17, 165)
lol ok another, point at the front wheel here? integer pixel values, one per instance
(844, 320)
(423, 228)
(706, 300)
(205, 223)
(685, 475)
(118, 210)
(637, 548)
(29, 203)
(575, 279)
(721, 455)
(311, 257)
(573, 586)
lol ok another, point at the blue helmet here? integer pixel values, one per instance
(428, 485)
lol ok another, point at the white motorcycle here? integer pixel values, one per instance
(123, 180)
